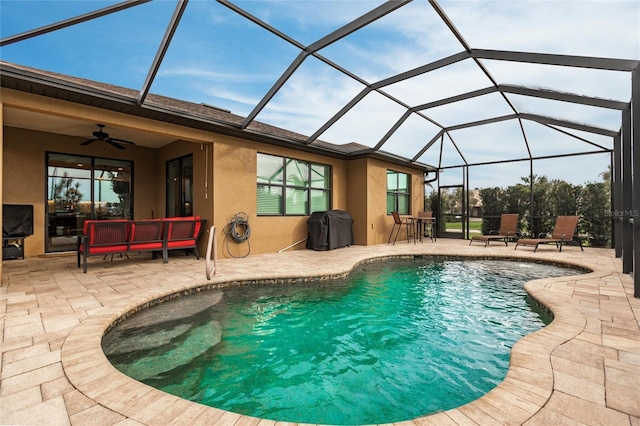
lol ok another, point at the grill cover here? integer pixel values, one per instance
(329, 230)
(17, 220)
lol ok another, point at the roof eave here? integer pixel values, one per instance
(41, 84)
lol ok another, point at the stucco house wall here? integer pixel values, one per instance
(367, 198)
(235, 191)
(224, 177)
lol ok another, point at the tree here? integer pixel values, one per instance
(120, 186)
(595, 204)
(551, 199)
(563, 198)
(66, 194)
(606, 176)
(543, 219)
(516, 200)
(492, 207)
(431, 202)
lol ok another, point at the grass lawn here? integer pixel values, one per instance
(474, 226)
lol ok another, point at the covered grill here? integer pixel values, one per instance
(329, 230)
(17, 223)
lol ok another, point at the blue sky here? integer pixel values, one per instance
(220, 58)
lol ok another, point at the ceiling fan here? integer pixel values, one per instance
(104, 137)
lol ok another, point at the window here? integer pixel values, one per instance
(398, 194)
(289, 187)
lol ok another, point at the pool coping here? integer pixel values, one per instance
(518, 398)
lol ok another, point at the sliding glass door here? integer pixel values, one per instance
(80, 188)
(180, 186)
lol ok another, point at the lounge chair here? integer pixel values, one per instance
(508, 229)
(563, 232)
(399, 221)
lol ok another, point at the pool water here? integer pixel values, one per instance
(395, 340)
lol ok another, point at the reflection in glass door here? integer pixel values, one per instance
(451, 220)
(80, 188)
(112, 189)
(180, 186)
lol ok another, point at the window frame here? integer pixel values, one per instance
(87, 167)
(396, 192)
(285, 186)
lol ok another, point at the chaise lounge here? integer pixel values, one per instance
(563, 232)
(508, 229)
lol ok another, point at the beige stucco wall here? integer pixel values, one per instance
(202, 176)
(367, 187)
(202, 181)
(235, 191)
(357, 192)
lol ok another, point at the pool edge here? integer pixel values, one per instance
(88, 369)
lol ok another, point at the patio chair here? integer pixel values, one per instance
(426, 225)
(398, 221)
(508, 229)
(563, 232)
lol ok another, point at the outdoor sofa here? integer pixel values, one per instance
(122, 236)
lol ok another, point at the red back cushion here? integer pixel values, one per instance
(146, 230)
(178, 231)
(104, 232)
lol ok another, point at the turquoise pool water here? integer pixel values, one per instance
(396, 340)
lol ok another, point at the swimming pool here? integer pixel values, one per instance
(394, 341)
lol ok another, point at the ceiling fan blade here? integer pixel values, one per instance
(114, 144)
(102, 136)
(122, 141)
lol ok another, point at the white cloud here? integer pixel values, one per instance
(310, 98)
(200, 73)
(221, 58)
(585, 28)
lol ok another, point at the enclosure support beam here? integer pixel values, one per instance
(162, 50)
(635, 142)
(531, 212)
(616, 191)
(627, 190)
(72, 21)
(465, 204)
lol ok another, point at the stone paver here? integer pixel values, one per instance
(584, 368)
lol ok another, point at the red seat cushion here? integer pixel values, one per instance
(181, 243)
(146, 246)
(106, 249)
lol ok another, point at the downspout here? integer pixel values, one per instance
(437, 172)
(531, 196)
(425, 182)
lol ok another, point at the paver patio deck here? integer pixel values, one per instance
(584, 368)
